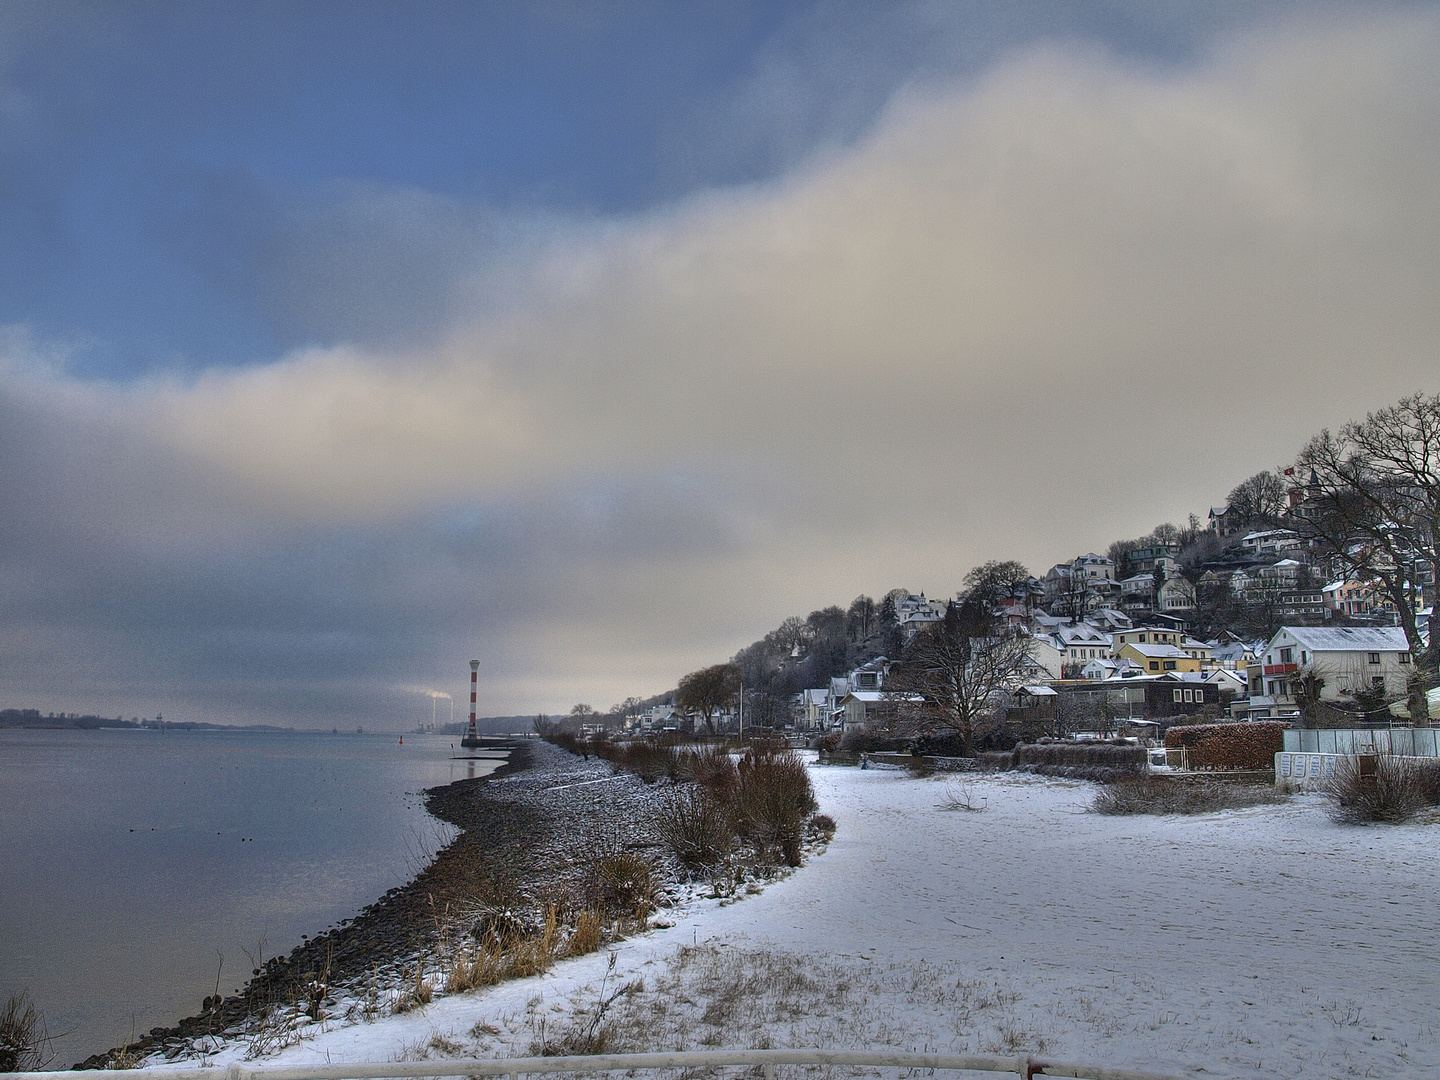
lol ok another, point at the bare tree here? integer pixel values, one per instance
(995, 582)
(1260, 498)
(860, 618)
(708, 691)
(1371, 506)
(954, 668)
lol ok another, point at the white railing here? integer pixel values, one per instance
(1026, 1067)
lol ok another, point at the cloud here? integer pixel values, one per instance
(1019, 318)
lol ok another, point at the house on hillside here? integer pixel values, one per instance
(1158, 659)
(915, 612)
(1224, 521)
(1175, 596)
(812, 709)
(1270, 543)
(1347, 658)
(1077, 643)
(1145, 635)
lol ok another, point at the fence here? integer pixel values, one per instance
(1025, 1067)
(1402, 742)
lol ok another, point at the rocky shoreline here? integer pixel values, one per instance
(523, 828)
(383, 933)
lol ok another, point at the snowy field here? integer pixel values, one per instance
(1261, 942)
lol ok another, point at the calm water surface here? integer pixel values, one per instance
(131, 861)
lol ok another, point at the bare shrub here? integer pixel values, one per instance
(624, 881)
(823, 826)
(646, 759)
(710, 766)
(1427, 774)
(1164, 795)
(773, 799)
(960, 797)
(24, 1041)
(695, 825)
(1382, 788)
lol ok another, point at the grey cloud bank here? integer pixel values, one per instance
(1018, 319)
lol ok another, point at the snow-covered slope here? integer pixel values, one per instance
(1263, 942)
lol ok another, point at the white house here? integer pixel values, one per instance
(1175, 595)
(1349, 658)
(1270, 542)
(1079, 642)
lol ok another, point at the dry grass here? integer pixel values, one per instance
(713, 996)
(417, 993)
(512, 953)
(589, 932)
(24, 1041)
(1164, 795)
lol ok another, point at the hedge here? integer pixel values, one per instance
(1250, 744)
(1083, 761)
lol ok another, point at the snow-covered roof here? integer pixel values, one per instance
(1159, 652)
(1349, 638)
(1040, 691)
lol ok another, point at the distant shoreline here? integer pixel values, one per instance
(383, 933)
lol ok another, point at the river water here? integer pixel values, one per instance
(132, 862)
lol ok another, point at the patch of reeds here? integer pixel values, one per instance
(510, 951)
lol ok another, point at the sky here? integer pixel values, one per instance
(341, 343)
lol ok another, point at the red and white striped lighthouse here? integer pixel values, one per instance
(472, 738)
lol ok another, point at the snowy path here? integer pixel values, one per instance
(1262, 942)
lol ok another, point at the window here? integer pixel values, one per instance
(1304, 657)
(1374, 658)
(1287, 656)
(1177, 695)
(1189, 695)
(1154, 665)
(1404, 658)
(1169, 665)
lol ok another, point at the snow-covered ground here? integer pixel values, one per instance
(1262, 942)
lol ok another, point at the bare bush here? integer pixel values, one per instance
(773, 799)
(823, 827)
(623, 881)
(711, 766)
(24, 1041)
(960, 797)
(1164, 795)
(695, 825)
(1381, 788)
(646, 759)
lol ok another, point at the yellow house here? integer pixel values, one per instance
(1158, 659)
(1144, 635)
